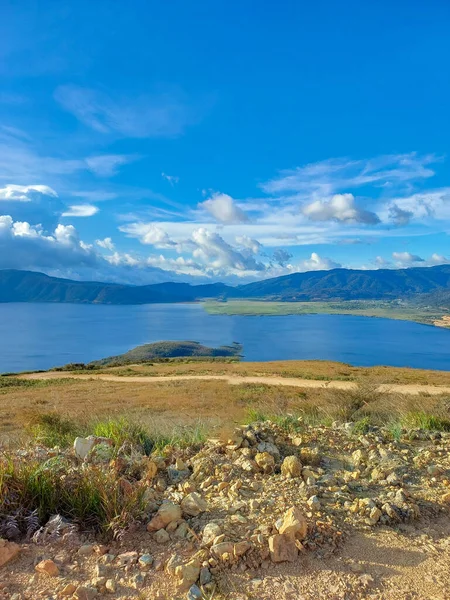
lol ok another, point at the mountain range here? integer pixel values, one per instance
(337, 284)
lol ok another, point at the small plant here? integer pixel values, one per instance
(427, 421)
(50, 429)
(362, 426)
(122, 430)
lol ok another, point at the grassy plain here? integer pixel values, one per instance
(388, 310)
(193, 407)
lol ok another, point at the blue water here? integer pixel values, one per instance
(40, 336)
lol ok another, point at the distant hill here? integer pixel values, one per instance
(337, 284)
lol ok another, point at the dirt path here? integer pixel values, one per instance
(414, 389)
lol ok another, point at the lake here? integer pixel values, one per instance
(40, 336)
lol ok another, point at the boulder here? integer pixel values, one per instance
(187, 574)
(8, 551)
(265, 462)
(210, 532)
(82, 447)
(282, 548)
(47, 567)
(291, 467)
(167, 512)
(193, 504)
(294, 523)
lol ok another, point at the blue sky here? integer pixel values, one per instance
(149, 141)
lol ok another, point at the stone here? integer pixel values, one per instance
(240, 548)
(291, 467)
(193, 504)
(86, 550)
(294, 523)
(110, 586)
(265, 462)
(375, 514)
(8, 551)
(314, 503)
(127, 558)
(167, 512)
(205, 576)
(145, 561)
(182, 531)
(187, 574)
(68, 590)
(82, 447)
(195, 593)
(445, 499)
(162, 537)
(152, 469)
(221, 549)
(47, 567)
(210, 532)
(282, 548)
(85, 592)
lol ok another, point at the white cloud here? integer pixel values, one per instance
(406, 258)
(23, 246)
(248, 243)
(340, 174)
(153, 115)
(25, 193)
(224, 209)
(106, 243)
(341, 208)
(172, 179)
(317, 263)
(80, 210)
(107, 165)
(148, 234)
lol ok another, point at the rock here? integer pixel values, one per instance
(195, 593)
(167, 512)
(445, 499)
(291, 467)
(110, 586)
(210, 532)
(176, 476)
(282, 548)
(127, 558)
(145, 561)
(68, 590)
(265, 462)
(294, 523)
(8, 551)
(162, 537)
(47, 567)
(240, 548)
(205, 576)
(85, 592)
(82, 447)
(187, 574)
(314, 503)
(86, 550)
(193, 504)
(152, 469)
(268, 447)
(358, 457)
(222, 549)
(375, 514)
(182, 531)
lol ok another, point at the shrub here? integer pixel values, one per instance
(423, 420)
(122, 430)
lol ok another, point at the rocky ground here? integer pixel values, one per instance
(282, 512)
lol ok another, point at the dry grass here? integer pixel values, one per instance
(207, 405)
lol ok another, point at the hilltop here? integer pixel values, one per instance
(336, 284)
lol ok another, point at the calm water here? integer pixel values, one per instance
(40, 336)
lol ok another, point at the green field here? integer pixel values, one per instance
(370, 308)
